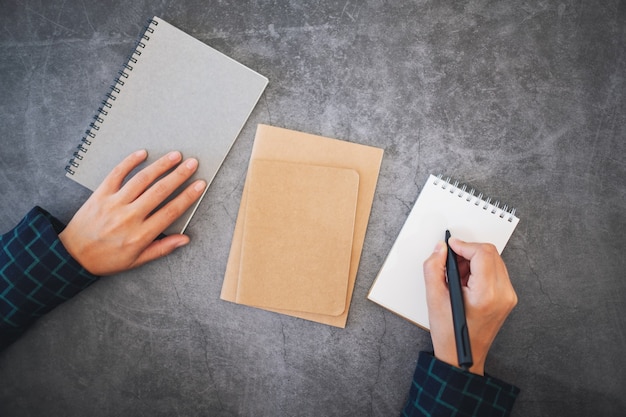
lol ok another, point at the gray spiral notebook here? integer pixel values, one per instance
(174, 93)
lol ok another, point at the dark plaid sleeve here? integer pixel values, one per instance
(440, 389)
(36, 273)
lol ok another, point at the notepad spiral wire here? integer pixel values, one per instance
(111, 96)
(478, 200)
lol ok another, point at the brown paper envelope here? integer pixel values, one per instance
(297, 239)
(273, 143)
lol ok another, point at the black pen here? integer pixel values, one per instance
(461, 335)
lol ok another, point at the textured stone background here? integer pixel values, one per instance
(524, 100)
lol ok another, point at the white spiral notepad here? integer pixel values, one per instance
(441, 205)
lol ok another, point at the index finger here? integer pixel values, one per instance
(167, 214)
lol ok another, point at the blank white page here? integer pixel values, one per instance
(399, 285)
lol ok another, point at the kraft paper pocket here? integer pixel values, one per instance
(297, 239)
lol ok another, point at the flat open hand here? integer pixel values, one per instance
(116, 228)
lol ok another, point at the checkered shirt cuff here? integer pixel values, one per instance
(440, 389)
(36, 273)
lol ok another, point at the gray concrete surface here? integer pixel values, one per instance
(522, 99)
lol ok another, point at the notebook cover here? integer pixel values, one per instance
(399, 285)
(297, 238)
(180, 95)
(278, 144)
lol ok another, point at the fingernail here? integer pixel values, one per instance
(199, 186)
(141, 153)
(439, 247)
(173, 156)
(182, 243)
(191, 163)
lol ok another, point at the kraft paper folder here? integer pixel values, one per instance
(301, 225)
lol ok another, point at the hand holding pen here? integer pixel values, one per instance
(488, 299)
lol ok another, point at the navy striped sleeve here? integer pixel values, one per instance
(440, 389)
(36, 273)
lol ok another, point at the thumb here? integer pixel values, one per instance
(161, 248)
(434, 273)
(464, 249)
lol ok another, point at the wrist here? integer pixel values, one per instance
(74, 252)
(450, 357)
(478, 368)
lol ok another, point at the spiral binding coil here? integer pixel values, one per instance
(478, 200)
(111, 96)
